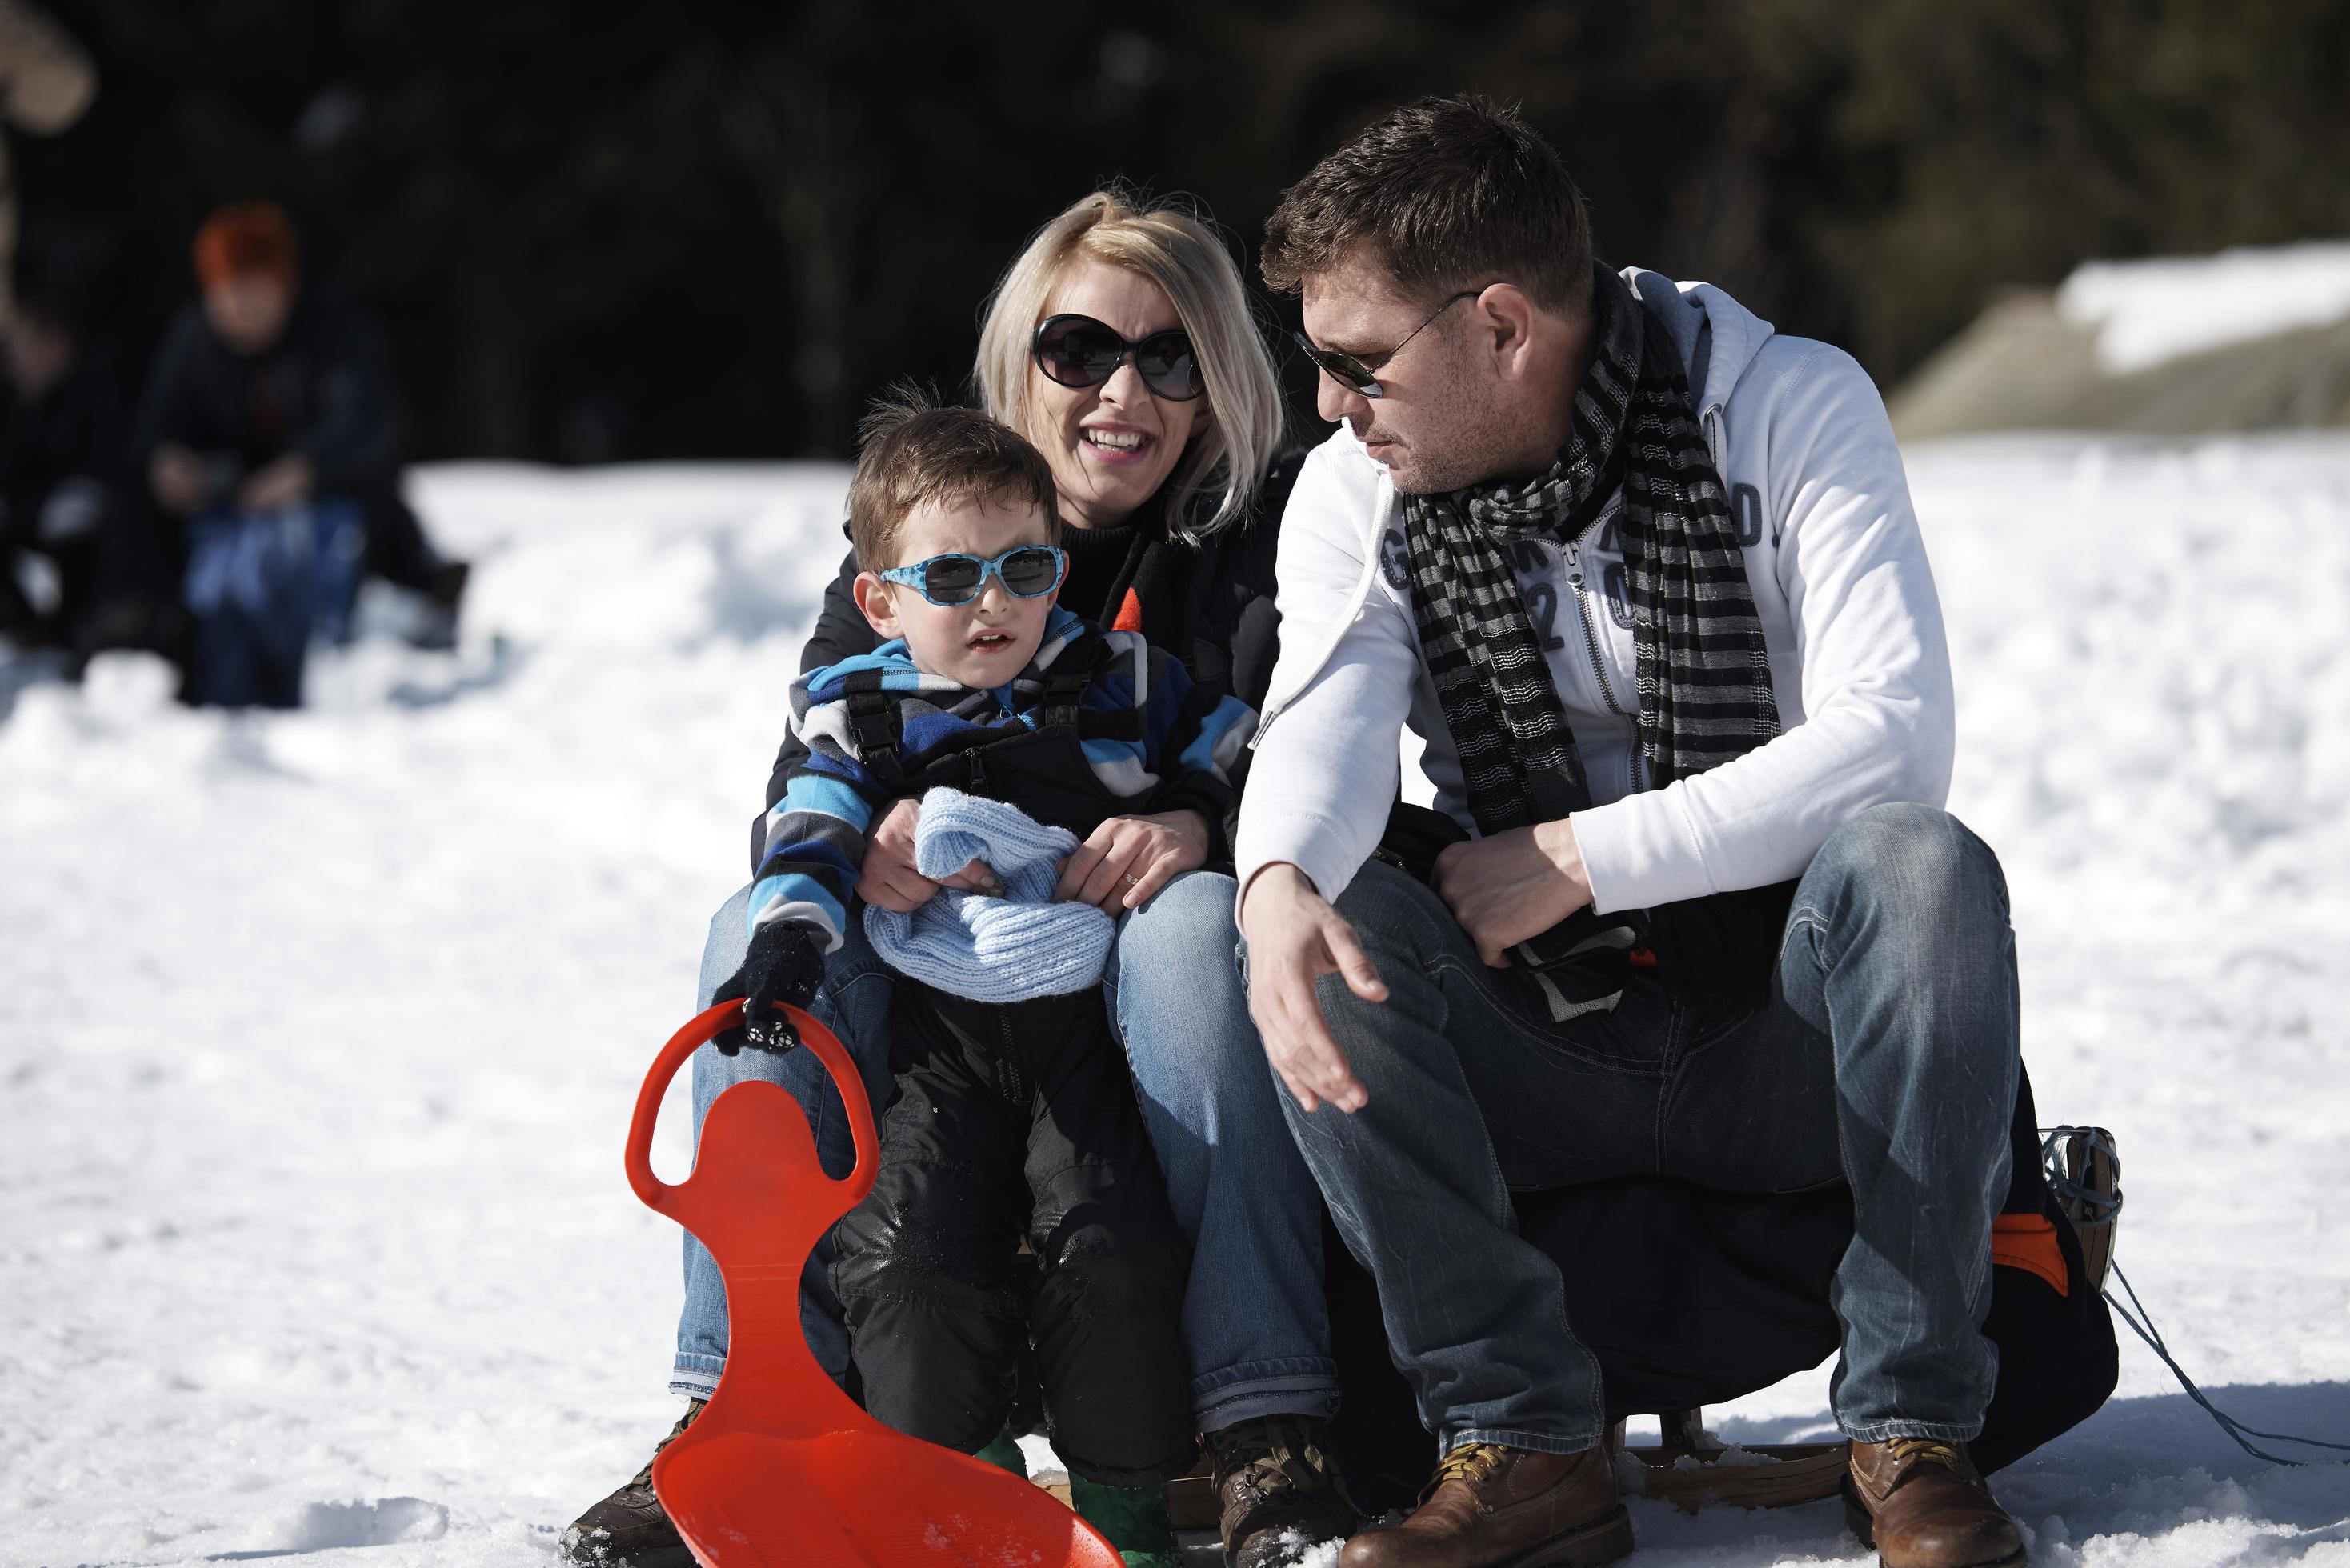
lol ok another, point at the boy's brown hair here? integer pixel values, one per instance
(911, 451)
(1448, 194)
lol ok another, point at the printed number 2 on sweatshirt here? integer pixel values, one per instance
(1540, 574)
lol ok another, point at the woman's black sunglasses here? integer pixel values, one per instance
(1078, 351)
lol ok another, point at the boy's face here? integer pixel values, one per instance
(988, 640)
(249, 310)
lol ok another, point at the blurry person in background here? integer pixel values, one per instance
(268, 428)
(47, 83)
(61, 479)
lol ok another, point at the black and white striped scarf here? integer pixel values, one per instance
(1703, 673)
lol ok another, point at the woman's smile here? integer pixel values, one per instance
(1111, 446)
(1116, 444)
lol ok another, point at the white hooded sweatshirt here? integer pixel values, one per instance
(1858, 663)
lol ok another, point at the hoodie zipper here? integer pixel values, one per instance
(1598, 660)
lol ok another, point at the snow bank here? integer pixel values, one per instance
(320, 1031)
(2146, 312)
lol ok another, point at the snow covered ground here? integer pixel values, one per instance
(318, 1032)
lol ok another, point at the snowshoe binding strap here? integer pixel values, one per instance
(1278, 1455)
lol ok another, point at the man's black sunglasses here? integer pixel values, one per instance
(1078, 351)
(1356, 376)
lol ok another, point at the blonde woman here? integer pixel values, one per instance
(1122, 344)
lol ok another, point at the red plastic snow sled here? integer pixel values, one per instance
(781, 1467)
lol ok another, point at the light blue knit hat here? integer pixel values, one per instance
(1009, 949)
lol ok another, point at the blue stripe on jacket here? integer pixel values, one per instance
(814, 834)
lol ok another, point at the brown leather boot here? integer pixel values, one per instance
(1922, 1505)
(1491, 1507)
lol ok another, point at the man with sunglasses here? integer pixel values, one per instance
(1645, 579)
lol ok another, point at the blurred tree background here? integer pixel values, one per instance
(600, 231)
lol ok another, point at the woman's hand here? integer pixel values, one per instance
(888, 880)
(1129, 858)
(285, 483)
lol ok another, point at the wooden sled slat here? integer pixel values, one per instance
(2085, 1173)
(1691, 1469)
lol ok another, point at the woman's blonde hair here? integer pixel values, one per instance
(1177, 249)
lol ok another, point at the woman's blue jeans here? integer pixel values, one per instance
(1253, 1320)
(1256, 1325)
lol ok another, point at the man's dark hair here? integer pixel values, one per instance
(1448, 194)
(911, 451)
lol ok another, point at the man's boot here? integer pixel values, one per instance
(1491, 1507)
(630, 1529)
(1278, 1490)
(1921, 1505)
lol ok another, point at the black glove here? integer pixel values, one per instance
(784, 964)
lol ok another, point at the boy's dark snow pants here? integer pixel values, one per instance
(1011, 1120)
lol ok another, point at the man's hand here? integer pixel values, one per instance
(888, 879)
(1129, 858)
(1512, 886)
(176, 475)
(1294, 937)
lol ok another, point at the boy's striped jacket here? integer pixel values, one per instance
(1146, 741)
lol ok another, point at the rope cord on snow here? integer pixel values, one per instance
(2097, 1209)
(2228, 1423)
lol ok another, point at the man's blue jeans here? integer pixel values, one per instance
(1886, 1056)
(1254, 1322)
(854, 1003)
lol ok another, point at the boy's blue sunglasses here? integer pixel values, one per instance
(1028, 572)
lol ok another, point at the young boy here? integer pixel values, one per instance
(1008, 1118)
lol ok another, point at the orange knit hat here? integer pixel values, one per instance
(246, 237)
